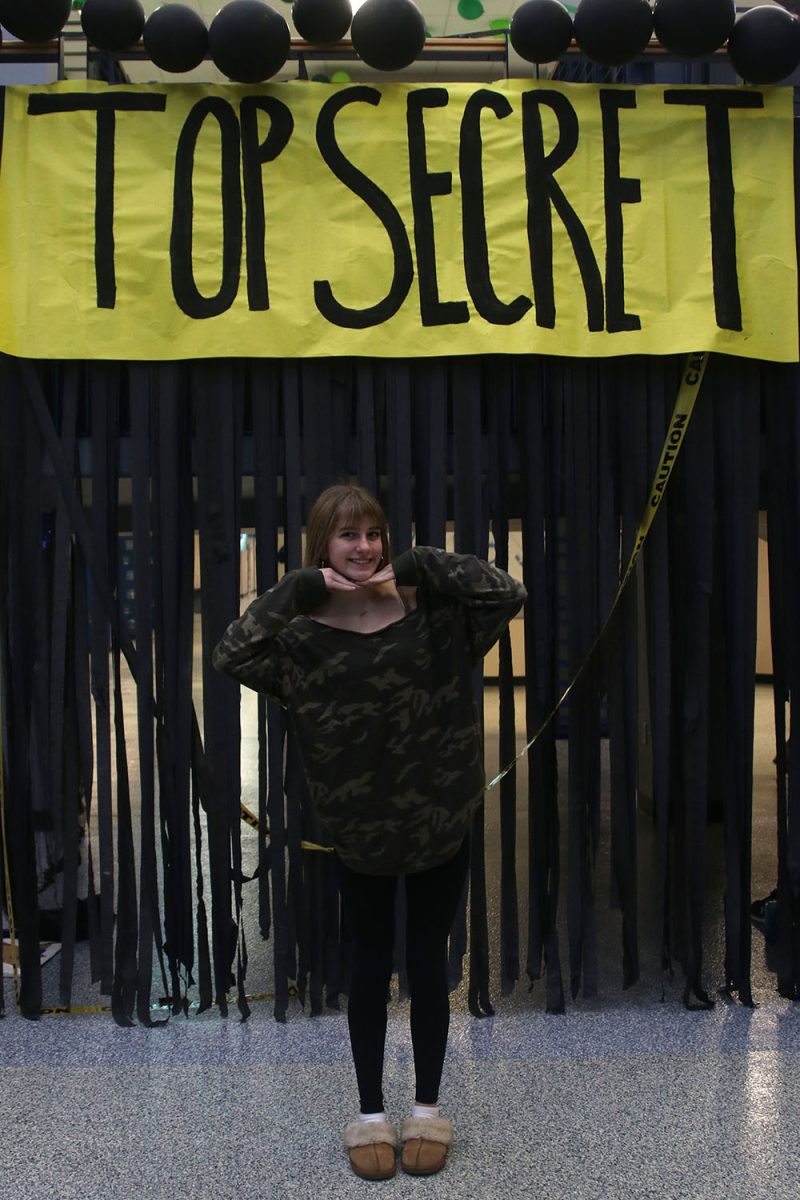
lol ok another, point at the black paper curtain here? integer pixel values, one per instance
(562, 450)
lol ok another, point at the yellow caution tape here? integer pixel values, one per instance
(679, 422)
(250, 818)
(12, 933)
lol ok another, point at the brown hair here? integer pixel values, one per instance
(337, 505)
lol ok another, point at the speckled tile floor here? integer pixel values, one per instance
(623, 1097)
(651, 1102)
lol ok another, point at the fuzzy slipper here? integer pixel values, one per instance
(371, 1146)
(426, 1141)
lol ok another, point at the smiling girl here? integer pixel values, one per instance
(374, 661)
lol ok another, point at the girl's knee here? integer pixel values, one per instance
(427, 971)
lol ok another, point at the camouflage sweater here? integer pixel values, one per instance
(385, 722)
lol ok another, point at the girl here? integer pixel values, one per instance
(374, 661)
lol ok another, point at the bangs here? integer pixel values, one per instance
(354, 507)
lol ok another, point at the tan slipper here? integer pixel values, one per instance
(372, 1147)
(426, 1141)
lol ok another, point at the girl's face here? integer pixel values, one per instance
(355, 549)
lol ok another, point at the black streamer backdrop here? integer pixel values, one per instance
(561, 451)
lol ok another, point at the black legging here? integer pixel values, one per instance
(432, 898)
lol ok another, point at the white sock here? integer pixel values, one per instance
(381, 1116)
(425, 1110)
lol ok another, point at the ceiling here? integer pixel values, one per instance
(442, 17)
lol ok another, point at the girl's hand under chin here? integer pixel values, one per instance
(385, 575)
(335, 582)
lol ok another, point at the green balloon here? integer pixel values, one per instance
(341, 77)
(470, 10)
(500, 23)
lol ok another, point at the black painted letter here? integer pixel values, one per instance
(617, 191)
(183, 284)
(476, 246)
(379, 203)
(727, 301)
(424, 185)
(106, 105)
(253, 154)
(540, 169)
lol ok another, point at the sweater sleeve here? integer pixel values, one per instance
(488, 596)
(250, 649)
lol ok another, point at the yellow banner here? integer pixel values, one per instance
(306, 219)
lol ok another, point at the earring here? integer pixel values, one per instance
(323, 562)
(380, 562)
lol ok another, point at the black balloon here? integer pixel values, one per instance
(540, 30)
(176, 38)
(388, 34)
(322, 22)
(764, 46)
(38, 21)
(613, 32)
(249, 41)
(691, 27)
(112, 24)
